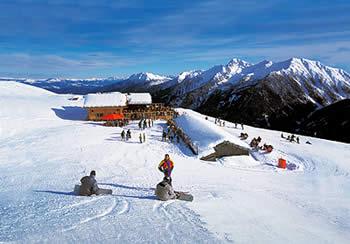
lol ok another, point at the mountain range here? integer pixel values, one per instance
(278, 95)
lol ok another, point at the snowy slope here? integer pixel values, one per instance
(46, 147)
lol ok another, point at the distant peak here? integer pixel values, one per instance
(237, 61)
(147, 76)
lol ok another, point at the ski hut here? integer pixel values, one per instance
(102, 104)
(130, 106)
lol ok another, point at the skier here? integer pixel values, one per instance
(88, 185)
(298, 139)
(164, 190)
(144, 124)
(144, 137)
(149, 123)
(123, 135)
(166, 166)
(242, 126)
(236, 125)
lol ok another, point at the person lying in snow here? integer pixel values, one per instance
(88, 185)
(164, 190)
(166, 166)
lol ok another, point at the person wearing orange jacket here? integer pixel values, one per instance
(166, 166)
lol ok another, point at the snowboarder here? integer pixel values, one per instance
(123, 135)
(166, 166)
(88, 185)
(164, 190)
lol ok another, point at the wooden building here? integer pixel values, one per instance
(131, 106)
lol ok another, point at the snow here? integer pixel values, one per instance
(46, 147)
(105, 99)
(149, 77)
(329, 83)
(139, 98)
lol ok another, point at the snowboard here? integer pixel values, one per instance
(100, 191)
(184, 196)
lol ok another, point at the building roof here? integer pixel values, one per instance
(139, 98)
(116, 99)
(105, 99)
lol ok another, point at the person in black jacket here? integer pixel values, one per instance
(89, 185)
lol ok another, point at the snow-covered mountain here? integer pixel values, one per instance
(139, 82)
(65, 85)
(321, 84)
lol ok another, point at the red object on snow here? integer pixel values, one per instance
(113, 117)
(282, 163)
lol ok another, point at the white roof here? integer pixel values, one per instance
(105, 99)
(139, 98)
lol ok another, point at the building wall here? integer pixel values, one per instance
(95, 113)
(133, 112)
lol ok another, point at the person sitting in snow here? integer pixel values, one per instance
(164, 191)
(89, 185)
(166, 166)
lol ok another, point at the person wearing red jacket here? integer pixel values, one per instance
(166, 166)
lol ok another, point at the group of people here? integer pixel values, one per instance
(219, 122)
(164, 190)
(255, 144)
(291, 138)
(243, 136)
(144, 123)
(125, 136)
(170, 135)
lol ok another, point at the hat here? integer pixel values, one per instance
(93, 172)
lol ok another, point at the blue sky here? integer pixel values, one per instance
(86, 38)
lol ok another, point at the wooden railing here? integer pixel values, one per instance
(184, 137)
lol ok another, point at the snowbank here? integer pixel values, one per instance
(202, 132)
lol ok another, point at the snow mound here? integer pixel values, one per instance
(202, 132)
